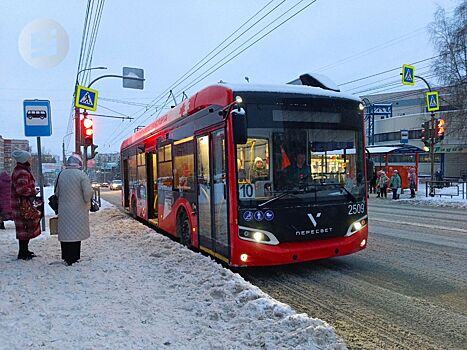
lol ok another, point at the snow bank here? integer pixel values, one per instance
(456, 201)
(136, 289)
(436, 201)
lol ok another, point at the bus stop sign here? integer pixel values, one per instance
(37, 120)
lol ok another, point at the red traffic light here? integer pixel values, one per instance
(87, 131)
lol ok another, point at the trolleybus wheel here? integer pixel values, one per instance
(184, 228)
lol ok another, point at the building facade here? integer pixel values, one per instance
(2, 154)
(9, 146)
(398, 119)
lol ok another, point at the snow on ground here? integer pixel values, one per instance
(136, 289)
(441, 199)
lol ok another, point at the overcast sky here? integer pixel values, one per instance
(343, 39)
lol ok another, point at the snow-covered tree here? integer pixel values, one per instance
(449, 36)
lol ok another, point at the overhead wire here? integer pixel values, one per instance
(88, 41)
(156, 100)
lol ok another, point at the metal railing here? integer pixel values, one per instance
(446, 188)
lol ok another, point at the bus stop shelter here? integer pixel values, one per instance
(395, 157)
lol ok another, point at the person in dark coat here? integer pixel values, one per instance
(74, 194)
(23, 186)
(5, 198)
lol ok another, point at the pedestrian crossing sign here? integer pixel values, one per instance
(86, 98)
(432, 101)
(408, 74)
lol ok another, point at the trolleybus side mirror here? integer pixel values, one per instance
(239, 127)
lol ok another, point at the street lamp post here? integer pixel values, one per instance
(369, 115)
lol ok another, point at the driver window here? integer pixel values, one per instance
(253, 161)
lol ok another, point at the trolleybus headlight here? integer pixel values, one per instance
(243, 257)
(356, 226)
(258, 236)
(362, 243)
(361, 107)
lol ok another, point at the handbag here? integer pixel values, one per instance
(53, 199)
(94, 206)
(53, 225)
(53, 203)
(28, 208)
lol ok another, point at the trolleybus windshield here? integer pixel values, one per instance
(313, 154)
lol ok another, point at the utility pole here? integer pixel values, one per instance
(77, 131)
(432, 141)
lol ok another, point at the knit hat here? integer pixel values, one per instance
(75, 161)
(21, 156)
(258, 159)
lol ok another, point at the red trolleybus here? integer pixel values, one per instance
(276, 179)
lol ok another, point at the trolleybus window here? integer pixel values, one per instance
(164, 158)
(315, 156)
(184, 165)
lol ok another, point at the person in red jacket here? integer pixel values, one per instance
(23, 186)
(5, 194)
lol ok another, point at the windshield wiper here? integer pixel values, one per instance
(282, 195)
(342, 187)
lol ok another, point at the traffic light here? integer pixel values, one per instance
(93, 152)
(426, 133)
(439, 129)
(87, 130)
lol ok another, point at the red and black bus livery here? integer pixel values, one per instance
(253, 175)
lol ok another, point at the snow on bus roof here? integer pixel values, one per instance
(220, 91)
(289, 88)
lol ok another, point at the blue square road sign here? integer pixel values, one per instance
(37, 119)
(86, 98)
(408, 74)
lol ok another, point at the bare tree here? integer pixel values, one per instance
(449, 36)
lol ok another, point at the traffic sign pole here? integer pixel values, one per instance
(77, 131)
(41, 183)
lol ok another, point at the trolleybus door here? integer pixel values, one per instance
(212, 193)
(219, 207)
(151, 170)
(203, 175)
(126, 185)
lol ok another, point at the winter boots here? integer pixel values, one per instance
(24, 253)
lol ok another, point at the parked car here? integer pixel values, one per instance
(95, 184)
(116, 185)
(105, 184)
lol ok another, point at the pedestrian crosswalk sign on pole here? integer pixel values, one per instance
(86, 98)
(432, 101)
(408, 74)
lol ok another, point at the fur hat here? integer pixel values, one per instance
(21, 156)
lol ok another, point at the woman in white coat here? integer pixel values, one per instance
(74, 194)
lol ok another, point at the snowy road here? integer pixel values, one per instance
(406, 290)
